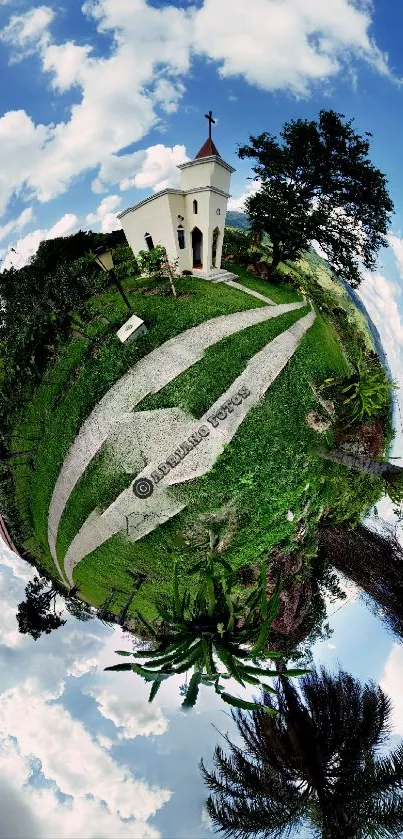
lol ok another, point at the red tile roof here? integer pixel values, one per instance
(207, 150)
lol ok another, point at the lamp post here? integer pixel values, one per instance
(103, 257)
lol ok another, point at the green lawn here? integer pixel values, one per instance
(263, 474)
(266, 471)
(85, 370)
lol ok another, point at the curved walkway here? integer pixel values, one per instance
(164, 436)
(148, 376)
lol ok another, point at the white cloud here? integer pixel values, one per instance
(113, 112)
(17, 224)
(132, 715)
(21, 145)
(66, 62)
(27, 246)
(155, 167)
(71, 759)
(279, 44)
(381, 297)
(392, 684)
(24, 32)
(238, 203)
(105, 215)
(37, 812)
(396, 243)
(286, 44)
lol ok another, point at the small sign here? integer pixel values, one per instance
(133, 328)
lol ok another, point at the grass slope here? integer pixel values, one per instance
(85, 370)
(266, 471)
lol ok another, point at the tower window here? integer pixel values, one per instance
(149, 241)
(195, 207)
(181, 237)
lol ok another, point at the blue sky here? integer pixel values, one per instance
(99, 104)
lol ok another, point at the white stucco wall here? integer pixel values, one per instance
(154, 217)
(208, 171)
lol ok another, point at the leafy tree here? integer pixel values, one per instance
(319, 184)
(315, 763)
(210, 631)
(374, 562)
(37, 614)
(79, 610)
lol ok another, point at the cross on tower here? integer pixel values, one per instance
(209, 116)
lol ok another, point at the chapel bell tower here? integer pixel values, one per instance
(205, 182)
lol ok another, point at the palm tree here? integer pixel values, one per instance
(315, 764)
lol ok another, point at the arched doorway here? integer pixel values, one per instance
(197, 247)
(216, 233)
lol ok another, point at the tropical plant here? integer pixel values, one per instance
(315, 763)
(319, 184)
(214, 633)
(363, 395)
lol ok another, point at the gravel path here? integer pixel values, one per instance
(148, 376)
(161, 436)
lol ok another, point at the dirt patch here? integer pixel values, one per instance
(214, 531)
(317, 422)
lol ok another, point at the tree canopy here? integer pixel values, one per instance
(374, 562)
(314, 764)
(319, 184)
(37, 614)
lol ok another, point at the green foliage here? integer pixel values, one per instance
(212, 629)
(38, 302)
(37, 614)
(87, 368)
(320, 184)
(364, 395)
(151, 262)
(125, 262)
(394, 488)
(236, 243)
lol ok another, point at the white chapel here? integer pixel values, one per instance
(188, 221)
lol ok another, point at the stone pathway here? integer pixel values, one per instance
(178, 448)
(149, 375)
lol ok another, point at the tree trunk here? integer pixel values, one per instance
(170, 274)
(126, 607)
(379, 469)
(276, 257)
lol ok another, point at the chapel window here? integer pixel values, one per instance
(195, 207)
(181, 237)
(149, 241)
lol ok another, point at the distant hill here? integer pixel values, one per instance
(315, 259)
(237, 219)
(372, 328)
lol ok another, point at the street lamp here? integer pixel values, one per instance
(103, 257)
